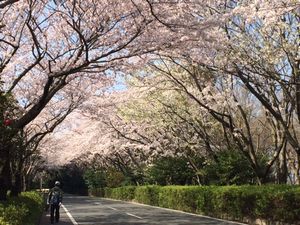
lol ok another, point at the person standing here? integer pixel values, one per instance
(54, 200)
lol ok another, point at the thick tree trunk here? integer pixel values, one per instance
(17, 185)
(282, 173)
(5, 180)
(3, 188)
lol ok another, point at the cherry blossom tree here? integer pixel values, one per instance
(268, 64)
(47, 46)
(262, 50)
(256, 43)
(53, 50)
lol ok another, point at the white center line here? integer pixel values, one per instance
(87, 223)
(69, 215)
(111, 208)
(129, 214)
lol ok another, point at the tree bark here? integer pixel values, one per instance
(5, 180)
(17, 185)
(282, 173)
(298, 169)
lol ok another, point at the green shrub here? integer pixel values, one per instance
(231, 168)
(114, 178)
(147, 194)
(170, 170)
(179, 197)
(94, 178)
(15, 214)
(108, 192)
(123, 193)
(22, 210)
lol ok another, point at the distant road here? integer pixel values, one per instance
(80, 210)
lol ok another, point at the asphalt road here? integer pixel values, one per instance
(80, 210)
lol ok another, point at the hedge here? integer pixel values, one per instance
(125, 193)
(280, 203)
(22, 210)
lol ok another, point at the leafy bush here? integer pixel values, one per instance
(94, 178)
(179, 197)
(123, 193)
(170, 170)
(147, 195)
(22, 210)
(114, 178)
(15, 214)
(232, 168)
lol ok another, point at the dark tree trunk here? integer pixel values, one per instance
(282, 173)
(5, 180)
(298, 169)
(17, 186)
(18, 176)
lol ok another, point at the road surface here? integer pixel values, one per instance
(81, 210)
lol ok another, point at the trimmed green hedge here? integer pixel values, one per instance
(23, 210)
(147, 194)
(242, 203)
(125, 193)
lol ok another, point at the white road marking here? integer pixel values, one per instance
(174, 210)
(69, 215)
(129, 214)
(97, 203)
(87, 223)
(111, 208)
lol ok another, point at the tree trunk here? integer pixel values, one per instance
(17, 186)
(5, 180)
(298, 169)
(282, 173)
(24, 184)
(198, 180)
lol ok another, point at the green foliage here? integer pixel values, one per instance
(123, 193)
(6, 102)
(7, 111)
(22, 210)
(170, 170)
(103, 178)
(32, 200)
(232, 168)
(14, 214)
(147, 194)
(94, 178)
(114, 178)
(179, 197)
